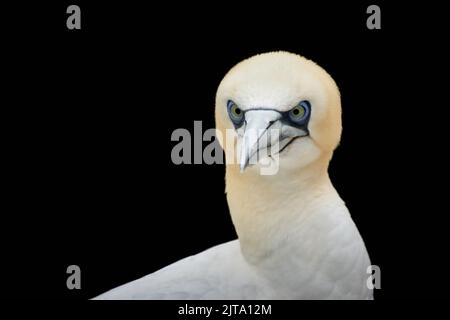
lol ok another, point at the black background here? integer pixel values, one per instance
(91, 113)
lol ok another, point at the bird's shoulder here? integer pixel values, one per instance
(201, 276)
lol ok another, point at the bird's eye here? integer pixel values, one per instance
(236, 113)
(299, 112)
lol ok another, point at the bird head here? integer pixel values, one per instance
(283, 111)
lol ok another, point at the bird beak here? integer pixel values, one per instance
(260, 131)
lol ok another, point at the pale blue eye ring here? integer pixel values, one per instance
(235, 113)
(300, 112)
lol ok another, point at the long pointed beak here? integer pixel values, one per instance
(258, 134)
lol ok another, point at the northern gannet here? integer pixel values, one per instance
(296, 238)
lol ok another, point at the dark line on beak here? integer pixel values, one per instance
(257, 141)
(267, 128)
(285, 146)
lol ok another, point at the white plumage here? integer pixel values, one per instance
(296, 237)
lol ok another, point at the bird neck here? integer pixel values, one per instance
(269, 211)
